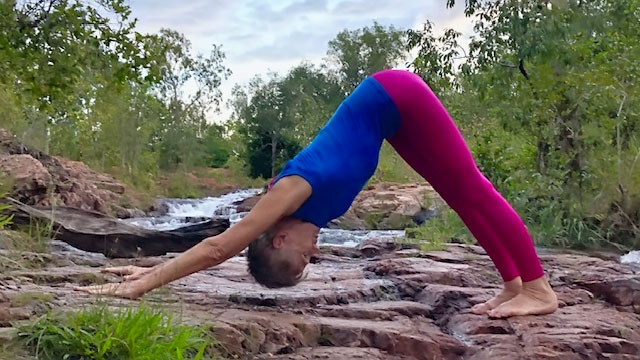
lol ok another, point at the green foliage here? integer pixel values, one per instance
(102, 333)
(34, 236)
(546, 99)
(392, 168)
(362, 52)
(434, 233)
(276, 117)
(180, 185)
(264, 116)
(78, 80)
(5, 219)
(217, 148)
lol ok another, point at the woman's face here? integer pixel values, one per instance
(297, 241)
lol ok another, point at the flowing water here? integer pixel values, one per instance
(632, 258)
(183, 212)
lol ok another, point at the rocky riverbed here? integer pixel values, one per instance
(376, 301)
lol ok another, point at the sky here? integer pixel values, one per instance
(260, 36)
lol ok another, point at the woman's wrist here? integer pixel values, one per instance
(146, 283)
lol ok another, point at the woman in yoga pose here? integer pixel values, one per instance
(320, 183)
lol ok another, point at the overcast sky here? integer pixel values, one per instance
(259, 36)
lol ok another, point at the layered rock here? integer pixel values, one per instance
(394, 303)
(43, 180)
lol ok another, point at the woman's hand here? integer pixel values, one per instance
(130, 272)
(128, 290)
(284, 199)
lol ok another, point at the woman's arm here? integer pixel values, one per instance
(284, 199)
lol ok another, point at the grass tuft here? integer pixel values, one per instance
(102, 333)
(447, 227)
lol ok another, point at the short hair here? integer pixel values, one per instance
(268, 270)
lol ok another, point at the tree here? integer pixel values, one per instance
(57, 53)
(362, 52)
(217, 147)
(310, 95)
(78, 80)
(261, 117)
(546, 94)
(185, 118)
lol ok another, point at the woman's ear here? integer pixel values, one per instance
(279, 239)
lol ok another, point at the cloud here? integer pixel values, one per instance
(258, 36)
(296, 45)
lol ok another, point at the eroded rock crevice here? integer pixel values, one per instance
(398, 303)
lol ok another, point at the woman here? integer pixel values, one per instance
(320, 183)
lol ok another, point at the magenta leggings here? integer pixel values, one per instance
(431, 143)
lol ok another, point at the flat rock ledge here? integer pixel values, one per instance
(387, 304)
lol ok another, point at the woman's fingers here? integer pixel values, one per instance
(124, 270)
(106, 289)
(135, 276)
(124, 290)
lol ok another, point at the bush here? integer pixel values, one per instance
(434, 233)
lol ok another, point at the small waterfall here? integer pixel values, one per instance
(632, 258)
(183, 212)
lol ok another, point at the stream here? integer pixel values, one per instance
(181, 212)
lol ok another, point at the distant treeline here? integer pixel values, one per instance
(547, 95)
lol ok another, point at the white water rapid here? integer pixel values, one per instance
(183, 212)
(632, 258)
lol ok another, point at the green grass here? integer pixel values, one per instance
(435, 233)
(14, 351)
(35, 236)
(392, 168)
(102, 333)
(5, 188)
(31, 298)
(26, 246)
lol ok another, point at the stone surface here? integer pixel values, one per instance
(43, 180)
(394, 304)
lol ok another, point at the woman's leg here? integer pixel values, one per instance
(431, 143)
(483, 232)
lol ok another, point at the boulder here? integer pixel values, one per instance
(42, 180)
(390, 206)
(383, 206)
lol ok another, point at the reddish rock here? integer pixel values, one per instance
(397, 306)
(25, 172)
(43, 180)
(383, 206)
(337, 353)
(390, 206)
(247, 204)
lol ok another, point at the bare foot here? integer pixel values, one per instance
(510, 290)
(536, 298)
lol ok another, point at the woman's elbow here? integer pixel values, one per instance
(214, 251)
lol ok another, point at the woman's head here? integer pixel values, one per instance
(278, 257)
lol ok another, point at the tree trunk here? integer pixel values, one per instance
(274, 145)
(112, 237)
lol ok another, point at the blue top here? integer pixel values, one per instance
(344, 154)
